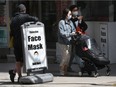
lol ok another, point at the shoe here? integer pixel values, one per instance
(62, 71)
(12, 75)
(19, 79)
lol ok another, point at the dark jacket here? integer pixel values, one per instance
(81, 25)
(15, 26)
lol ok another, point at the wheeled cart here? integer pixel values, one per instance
(34, 47)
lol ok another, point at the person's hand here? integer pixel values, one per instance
(80, 17)
(79, 32)
(73, 33)
(85, 49)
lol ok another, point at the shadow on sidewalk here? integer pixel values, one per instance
(54, 68)
(49, 84)
(8, 83)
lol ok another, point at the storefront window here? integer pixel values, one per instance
(2, 15)
(95, 10)
(49, 18)
(114, 10)
(3, 37)
(3, 28)
(2, 2)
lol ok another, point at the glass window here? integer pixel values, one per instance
(114, 10)
(2, 15)
(49, 18)
(3, 37)
(94, 10)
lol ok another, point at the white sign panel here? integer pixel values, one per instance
(34, 47)
(104, 39)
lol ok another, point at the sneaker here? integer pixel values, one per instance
(12, 75)
(63, 74)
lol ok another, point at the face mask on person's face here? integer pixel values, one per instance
(75, 13)
(69, 17)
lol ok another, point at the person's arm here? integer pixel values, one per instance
(62, 30)
(32, 18)
(82, 23)
(83, 26)
(80, 18)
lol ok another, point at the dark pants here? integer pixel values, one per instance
(78, 59)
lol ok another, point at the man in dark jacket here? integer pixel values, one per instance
(19, 18)
(80, 24)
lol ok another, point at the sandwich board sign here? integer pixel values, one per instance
(34, 46)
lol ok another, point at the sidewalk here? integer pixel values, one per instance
(59, 81)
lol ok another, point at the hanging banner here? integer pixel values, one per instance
(104, 39)
(34, 45)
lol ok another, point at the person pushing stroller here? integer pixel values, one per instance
(84, 48)
(80, 27)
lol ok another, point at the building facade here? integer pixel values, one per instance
(49, 12)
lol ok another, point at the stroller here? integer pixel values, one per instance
(87, 49)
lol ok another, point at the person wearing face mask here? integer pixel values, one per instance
(80, 27)
(65, 32)
(77, 19)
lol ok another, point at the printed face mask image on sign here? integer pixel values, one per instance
(34, 47)
(36, 58)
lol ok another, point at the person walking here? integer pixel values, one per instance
(19, 18)
(65, 31)
(80, 27)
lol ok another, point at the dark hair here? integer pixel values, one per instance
(65, 12)
(21, 8)
(72, 7)
(36, 52)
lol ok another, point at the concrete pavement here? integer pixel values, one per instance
(60, 81)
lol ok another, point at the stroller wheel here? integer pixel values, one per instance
(108, 73)
(80, 73)
(95, 74)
